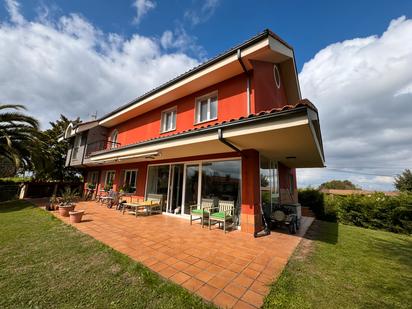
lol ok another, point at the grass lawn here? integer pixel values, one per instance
(45, 263)
(346, 267)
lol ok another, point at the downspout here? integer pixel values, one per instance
(239, 58)
(222, 140)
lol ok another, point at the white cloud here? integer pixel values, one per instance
(12, 7)
(362, 89)
(202, 14)
(181, 41)
(142, 8)
(71, 67)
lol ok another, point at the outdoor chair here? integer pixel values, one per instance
(201, 213)
(223, 213)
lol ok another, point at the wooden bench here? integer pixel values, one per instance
(223, 213)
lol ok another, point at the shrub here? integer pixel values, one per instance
(313, 199)
(376, 211)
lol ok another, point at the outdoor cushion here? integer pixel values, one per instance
(199, 211)
(218, 215)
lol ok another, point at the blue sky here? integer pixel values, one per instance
(307, 25)
(354, 57)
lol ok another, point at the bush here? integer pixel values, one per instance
(314, 199)
(376, 211)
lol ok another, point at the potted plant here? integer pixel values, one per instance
(108, 187)
(76, 216)
(52, 204)
(68, 199)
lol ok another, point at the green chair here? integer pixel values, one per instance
(223, 213)
(201, 213)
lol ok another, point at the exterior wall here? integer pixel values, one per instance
(265, 92)
(231, 104)
(287, 196)
(251, 218)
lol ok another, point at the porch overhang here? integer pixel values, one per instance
(291, 137)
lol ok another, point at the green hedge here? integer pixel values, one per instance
(377, 211)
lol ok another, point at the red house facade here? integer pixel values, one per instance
(234, 128)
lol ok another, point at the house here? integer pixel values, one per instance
(233, 128)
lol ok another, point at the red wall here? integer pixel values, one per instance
(231, 104)
(266, 94)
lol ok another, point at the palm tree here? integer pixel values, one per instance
(18, 134)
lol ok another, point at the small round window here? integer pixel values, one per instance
(276, 74)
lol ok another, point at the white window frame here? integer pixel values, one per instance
(197, 107)
(135, 179)
(106, 174)
(173, 111)
(113, 138)
(93, 177)
(276, 72)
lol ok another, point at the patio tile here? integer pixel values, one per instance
(260, 288)
(168, 272)
(235, 274)
(204, 276)
(243, 305)
(179, 277)
(235, 290)
(218, 282)
(243, 281)
(208, 292)
(224, 300)
(193, 284)
(253, 298)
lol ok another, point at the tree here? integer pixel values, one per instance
(50, 154)
(403, 182)
(18, 133)
(338, 184)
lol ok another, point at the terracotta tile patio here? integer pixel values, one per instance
(232, 270)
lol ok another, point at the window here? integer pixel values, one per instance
(129, 183)
(77, 143)
(92, 178)
(276, 74)
(113, 139)
(206, 108)
(269, 185)
(108, 182)
(168, 122)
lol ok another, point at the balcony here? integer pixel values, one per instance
(98, 146)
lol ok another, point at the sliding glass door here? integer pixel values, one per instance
(191, 186)
(158, 181)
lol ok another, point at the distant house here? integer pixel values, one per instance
(216, 131)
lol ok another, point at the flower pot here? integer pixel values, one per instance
(65, 209)
(76, 216)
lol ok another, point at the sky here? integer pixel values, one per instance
(354, 58)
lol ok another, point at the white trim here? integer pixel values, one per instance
(276, 74)
(224, 62)
(198, 100)
(105, 177)
(173, 110)
(135, 180)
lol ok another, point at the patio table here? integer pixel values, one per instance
(146, 207)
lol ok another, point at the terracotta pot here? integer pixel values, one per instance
(76, 216)
(64, 210)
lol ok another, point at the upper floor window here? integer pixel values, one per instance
(206, 108)
(77, 143)
(168, 122)
(113, 139)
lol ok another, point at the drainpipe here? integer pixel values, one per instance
(224, 141)
(239, 58)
